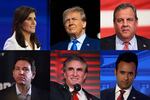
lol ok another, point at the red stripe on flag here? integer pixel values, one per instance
(111, 4)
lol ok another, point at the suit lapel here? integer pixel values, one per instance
(112, 94)
(141, 44)
(86, 44)
(87, 95)
(112, 43)
(12, 93)
(132, 95)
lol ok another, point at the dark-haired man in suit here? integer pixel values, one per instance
(74, 20)
(75, 72)
(125, 71)
(24, 72)
(125, 24)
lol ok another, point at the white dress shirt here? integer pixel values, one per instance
(132, 44)
(80, 42)
(18, 92)
(81, 94)
(11, 44)
(125, 95)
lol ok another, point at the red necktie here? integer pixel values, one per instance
(126, 46)
(120, 97)
(74, 96)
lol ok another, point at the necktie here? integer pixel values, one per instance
(74, 95)
(74, 46)
(126, 46)
(120, 97)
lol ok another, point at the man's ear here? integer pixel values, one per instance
(84, 24)
(33, 75)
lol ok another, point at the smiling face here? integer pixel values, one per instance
(75, 73)
(125, 74)
(74, 24)
(29, 25)
(125, 24)
(22, 73)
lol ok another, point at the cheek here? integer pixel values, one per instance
(67, 74)
(25, 25)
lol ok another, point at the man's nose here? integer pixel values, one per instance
(75, 73)
(21, 72)
(126, 77)
(125, 23)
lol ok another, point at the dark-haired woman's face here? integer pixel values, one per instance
(29, 25)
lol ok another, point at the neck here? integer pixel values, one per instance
(77, 36)
(23, 88)
(27, 36)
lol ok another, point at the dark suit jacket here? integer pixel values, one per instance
(109, 43)
(109, 94)
(61, 92)
(36, 94)
(88, 44)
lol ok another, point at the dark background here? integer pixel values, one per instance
(42, 59)
(92, 11)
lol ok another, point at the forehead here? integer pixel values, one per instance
(73, 14)
(22, 63)
(75, 63)
(125, 12)
(32, 14)
(125, 66)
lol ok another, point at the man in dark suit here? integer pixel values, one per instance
(74, 20)
(125, 71)
(75, 72)
(24, 71)
(125, 24)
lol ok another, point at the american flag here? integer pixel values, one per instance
(106, 16)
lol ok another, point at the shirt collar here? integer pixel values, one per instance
(18, 92)
(132, 41)
(81, 92)
(127, 90)
(81, 38)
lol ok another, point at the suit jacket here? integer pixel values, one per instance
(61, 92)
(36, 94)
(88, 44)
(109, 94)
(109, 43)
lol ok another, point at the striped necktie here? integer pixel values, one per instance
(120, 97)
(126, 45)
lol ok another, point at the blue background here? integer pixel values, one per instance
(7, 8)
(108, 79)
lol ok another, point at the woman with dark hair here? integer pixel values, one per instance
(24, 25)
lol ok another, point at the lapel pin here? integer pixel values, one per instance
(133, 98)
(144, 45)
(88, 44)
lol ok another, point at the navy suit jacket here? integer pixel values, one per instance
(61, 92)
(109, 43)
(88, 44)
(109, 94)
(36, 94)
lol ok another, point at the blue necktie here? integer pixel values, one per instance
(74, 46)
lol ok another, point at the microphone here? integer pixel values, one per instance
(77, 87)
